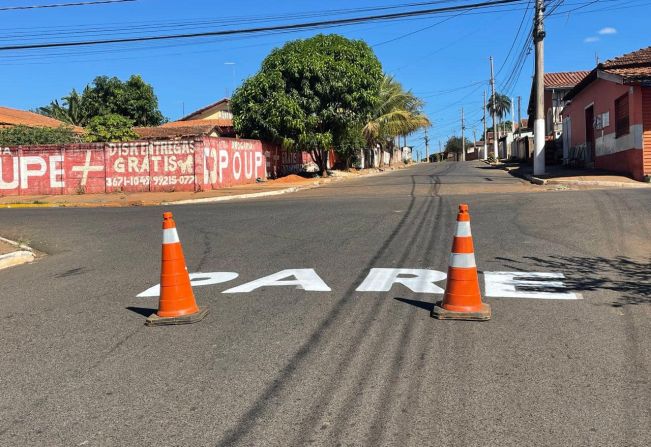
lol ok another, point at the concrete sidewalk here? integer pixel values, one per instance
(561, 175)
(14, 253)
(281, 185)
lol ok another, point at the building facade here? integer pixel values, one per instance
(607, 117)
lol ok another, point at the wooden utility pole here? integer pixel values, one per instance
(485, 133)
(463, 138)
(495, 154)
(539, 87)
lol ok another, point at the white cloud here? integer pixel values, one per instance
(607, 30)
(591, 39)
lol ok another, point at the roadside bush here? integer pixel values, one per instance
(26, 135)
(111, 128)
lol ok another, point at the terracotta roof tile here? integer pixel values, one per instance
(212, 122)
(565, 79)
(639, 57)
(176, 131)
(14, 117)
(631, 66)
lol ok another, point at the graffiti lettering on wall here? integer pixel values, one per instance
(186, 165)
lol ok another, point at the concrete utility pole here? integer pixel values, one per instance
(539, 122)
(493, 111)
(512, 115)
(519, 115)
(441, 156)
(426, 138)
(463, 138)
(485, 133)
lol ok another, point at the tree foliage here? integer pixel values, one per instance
(502, 105)
(454, 145)
(133, 99)
(26, 135)
(397, 112)
(111, 128)
(310, 95)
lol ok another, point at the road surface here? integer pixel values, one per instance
(281, 366)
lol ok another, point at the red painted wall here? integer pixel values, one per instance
(602, 94)
(183, 165)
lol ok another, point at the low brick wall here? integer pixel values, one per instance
(182, 165)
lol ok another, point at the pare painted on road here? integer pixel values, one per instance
(534, 285)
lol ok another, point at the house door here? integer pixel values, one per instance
(589, 136)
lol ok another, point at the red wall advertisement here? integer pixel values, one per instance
(183, 165)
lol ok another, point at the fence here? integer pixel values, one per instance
(181, 165)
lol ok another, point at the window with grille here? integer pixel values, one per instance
(621, 116)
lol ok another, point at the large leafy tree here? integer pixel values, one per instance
(110, 128)
(133, 99)
(398, 112)
(310, 95)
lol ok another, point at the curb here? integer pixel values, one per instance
(23, 255)
(596, 183)
(238, 196)
(15, 258)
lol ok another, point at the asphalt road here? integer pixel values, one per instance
(285, 367)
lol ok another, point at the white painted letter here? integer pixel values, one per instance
(196, 279)
(305, 279)
(56, 173)
(526, 285)
(223, 163)
(26, 173)
(237, 171)
(419, 280)
(14, 182)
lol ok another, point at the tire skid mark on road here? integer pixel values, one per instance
(366, 367)
(249, 420)
(357, 344)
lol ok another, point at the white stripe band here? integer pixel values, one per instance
(170, 236)
(462, 260)
(463, 229)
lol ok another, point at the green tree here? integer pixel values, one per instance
(310, 95)
(502, 107)
(454, 146)
(71, 110)
(133, 99)
(26, 135)
(111, 128)
(397, 112)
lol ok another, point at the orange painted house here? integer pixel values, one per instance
(607, 116)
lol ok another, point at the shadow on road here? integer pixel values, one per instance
(416, 303)
(631, 278)
(144, 311)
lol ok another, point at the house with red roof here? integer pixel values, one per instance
(607, 116)
(14, 117)
(214, 120)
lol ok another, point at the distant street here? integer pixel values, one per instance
(280, 366)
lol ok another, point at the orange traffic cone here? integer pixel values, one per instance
(176, 304)
(462, 299)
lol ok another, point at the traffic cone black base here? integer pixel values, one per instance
(483, 314)
(155, 320)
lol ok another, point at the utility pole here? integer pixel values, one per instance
(493, 102)
(485, 133)
(426, 138)
(440, 156)
(512, 115)
(539, 123)
(519, 115)
(474, 138)
(463, 138)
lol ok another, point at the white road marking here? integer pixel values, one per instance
(305, 279)
(196, 279)
(519, 285)
(417, 280)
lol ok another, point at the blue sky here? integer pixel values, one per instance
(442, 58)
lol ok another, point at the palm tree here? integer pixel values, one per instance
(398, 112)
(72, 111)
(502, 107)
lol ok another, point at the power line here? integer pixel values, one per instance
(306, 25)
(64, 5)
